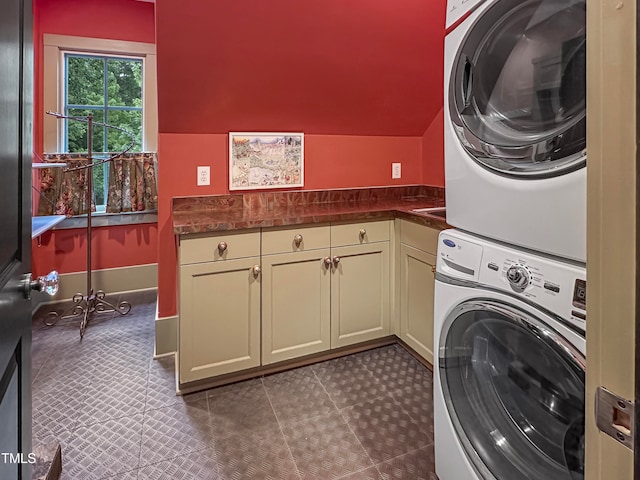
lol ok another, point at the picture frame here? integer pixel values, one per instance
(264, 160)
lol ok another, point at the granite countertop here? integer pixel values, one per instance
(254, 210)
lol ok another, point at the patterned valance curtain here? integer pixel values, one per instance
(132, 185)
(63, 193)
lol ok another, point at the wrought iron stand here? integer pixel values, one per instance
(93, 302)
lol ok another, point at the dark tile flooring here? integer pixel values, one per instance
(115, 412)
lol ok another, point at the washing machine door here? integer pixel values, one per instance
(518, 88)
(514, 389)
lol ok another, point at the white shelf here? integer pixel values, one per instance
(47, 165)
(39, 225)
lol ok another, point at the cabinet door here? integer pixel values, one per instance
(219, 328)
(295, 305)
(360, 293)
(416, 300)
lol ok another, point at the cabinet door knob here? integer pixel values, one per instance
(256, 270)
(433, 269)
(297, 240)
(363, 232)
(336, 261)
(222, 246)
(327, 261)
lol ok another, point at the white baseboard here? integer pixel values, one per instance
(166, 335)
(110, 281)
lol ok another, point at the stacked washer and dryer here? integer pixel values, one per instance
(510, 293)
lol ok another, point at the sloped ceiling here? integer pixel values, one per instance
(345, 67)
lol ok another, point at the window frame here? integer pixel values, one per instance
(55, 48)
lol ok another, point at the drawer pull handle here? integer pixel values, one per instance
(256, 270)
(363, 232)
(222, 247)
(297, 240)
(327, 261)
(336, 261)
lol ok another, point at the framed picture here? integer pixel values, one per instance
(265, 160)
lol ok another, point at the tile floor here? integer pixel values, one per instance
(115, 412)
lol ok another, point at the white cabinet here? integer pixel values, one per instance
(296, 278)
(417, 281)
(219, 302)
(359, 293)
(255, 297)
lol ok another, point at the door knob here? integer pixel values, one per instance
(256, 270)
(46, 283)
(327, 261)
(297, 240)
(222, 246)
(336, 261)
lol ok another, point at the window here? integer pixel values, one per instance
(113, 80)
(109, 88)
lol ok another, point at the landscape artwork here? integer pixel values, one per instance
(265, 160)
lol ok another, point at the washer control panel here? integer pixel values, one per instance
(518, 277)
(556, 286)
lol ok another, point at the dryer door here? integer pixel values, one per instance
(518, 88)
(514, 389)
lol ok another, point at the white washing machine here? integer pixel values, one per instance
(509, 368)
(515, 122)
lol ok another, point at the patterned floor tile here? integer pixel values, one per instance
(325, 447)
(242, 409)
(161, 388)
(385, 429)
(174, 431)
(132, 475)
(200, 465)
(416, 465)
(55, 409)
(394, 367)
(348, 381)
(367, 474)
(103, 449)
(418, 403)
(243, 457)
(106, 399)
(297, 394)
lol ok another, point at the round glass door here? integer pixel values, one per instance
(517, 94)
(514, 390)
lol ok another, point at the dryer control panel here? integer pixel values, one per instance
(554, 285)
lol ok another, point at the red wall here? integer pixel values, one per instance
(433, 151)
(362, 79)
(117, 246)
(128, 20)
(331, 161)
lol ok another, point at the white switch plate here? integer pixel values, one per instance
(396, 170)
(204, 176)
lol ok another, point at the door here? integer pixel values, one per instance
(219, 329)
(517, 88)
(360, 294)
(15, 236)
(417, 279)
(612, 237)
(295, 304)
(514, 390)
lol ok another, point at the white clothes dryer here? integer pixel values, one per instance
(509, 369)
(515, 122)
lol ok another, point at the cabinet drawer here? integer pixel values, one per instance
(225, 246)
(419, 236)
(296, 239)
(360, 233)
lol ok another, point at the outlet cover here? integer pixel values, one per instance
(396, 170)
(204, 176)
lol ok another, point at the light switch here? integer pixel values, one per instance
(204, 175)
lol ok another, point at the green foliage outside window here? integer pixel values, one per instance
(109, 88)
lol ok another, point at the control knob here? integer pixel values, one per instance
(518, 277)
